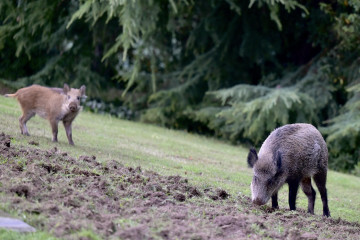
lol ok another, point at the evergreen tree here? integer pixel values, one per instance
(236, 69)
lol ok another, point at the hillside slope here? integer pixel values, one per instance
(181, 178)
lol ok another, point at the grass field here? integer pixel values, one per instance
(204, 161)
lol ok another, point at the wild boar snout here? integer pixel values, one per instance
(258, 201)
(259, 195)
(73, 107)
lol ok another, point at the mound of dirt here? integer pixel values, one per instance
(115, 201)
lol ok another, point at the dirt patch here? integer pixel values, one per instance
(115, 201)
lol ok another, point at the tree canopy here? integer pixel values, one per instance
(234, 69)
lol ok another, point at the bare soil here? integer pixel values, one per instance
(118, 202)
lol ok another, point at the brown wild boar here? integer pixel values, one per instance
(53, 104)
(291, 154)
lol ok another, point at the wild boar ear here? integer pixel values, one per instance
(66, 88)
(82, 90)
(278, 160)
(252, 157)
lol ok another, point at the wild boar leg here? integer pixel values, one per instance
(67, 125)
(54, 127)
(274, 200)
(293, 189)
(23, 119)
(309, 192)
(320, 180)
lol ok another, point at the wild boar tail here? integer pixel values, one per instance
(10, 95)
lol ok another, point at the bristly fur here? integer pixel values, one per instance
(291, 154)
(53, 104)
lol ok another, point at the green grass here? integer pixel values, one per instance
(204, 161)
(11, 235)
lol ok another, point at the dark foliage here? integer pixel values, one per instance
(235, 69)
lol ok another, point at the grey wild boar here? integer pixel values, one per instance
(53, 104)
(291, 154)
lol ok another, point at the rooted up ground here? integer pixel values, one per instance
(73, 196)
